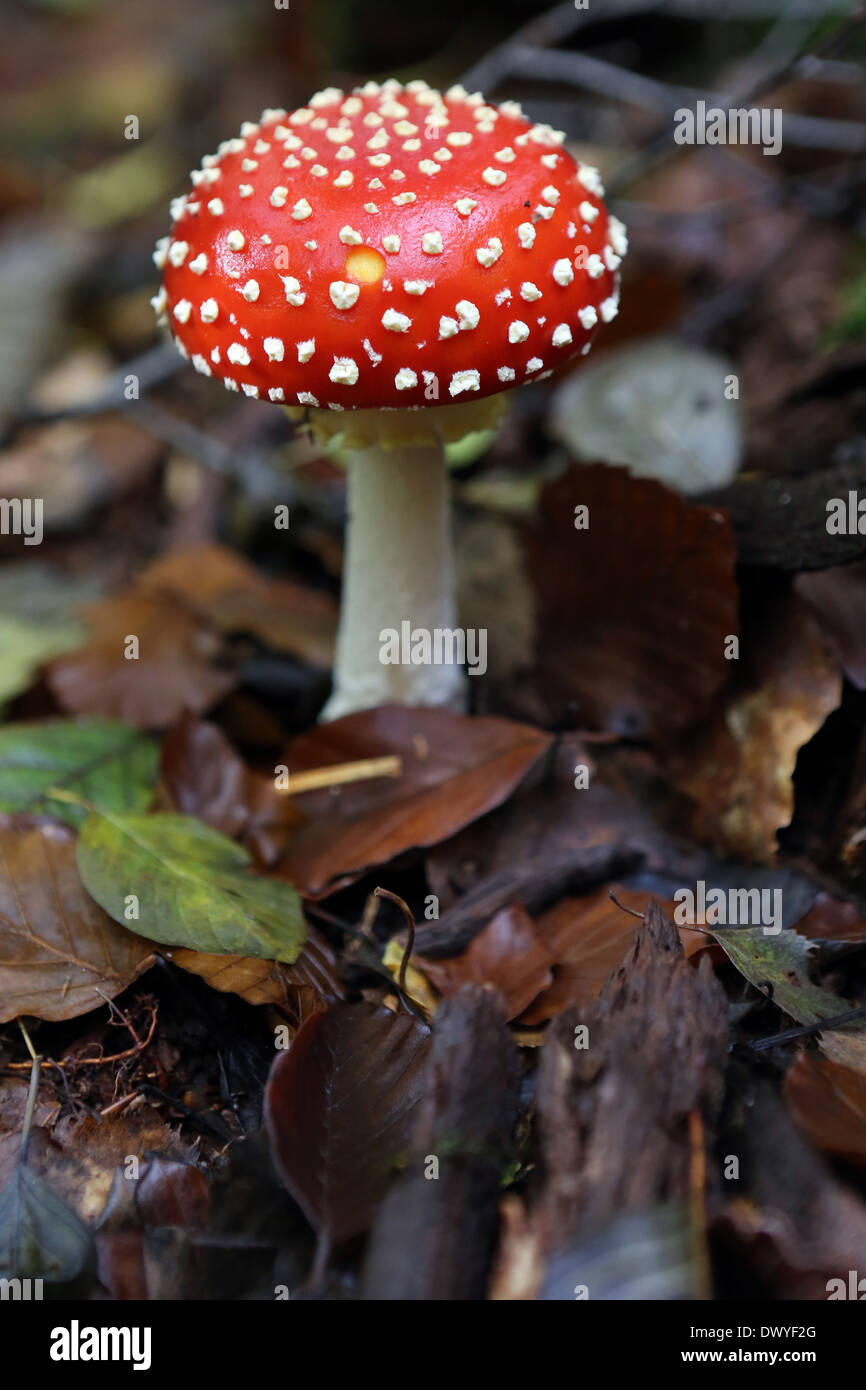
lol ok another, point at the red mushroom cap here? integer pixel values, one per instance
(395, 247)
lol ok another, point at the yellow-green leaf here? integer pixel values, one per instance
(175, 880)
(782, 961)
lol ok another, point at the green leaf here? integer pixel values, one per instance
(851, 320)
(783, 961)
(192, 884)
(38, 620)
(104, 762)
(40, 1236)
(26, 647)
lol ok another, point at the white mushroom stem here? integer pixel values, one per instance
(399, 570)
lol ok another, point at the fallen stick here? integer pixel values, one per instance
(364, 770)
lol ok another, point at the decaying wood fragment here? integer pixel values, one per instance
(624, 1086)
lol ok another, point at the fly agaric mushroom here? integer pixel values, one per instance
(387, 263)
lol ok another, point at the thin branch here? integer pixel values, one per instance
(808, 1030)
(410, 943)
(743, 94)
(153, 367)
(30, 1111)
(338, 774)
(599, 76)
(609, 80)
(623, 908)
(185, 438)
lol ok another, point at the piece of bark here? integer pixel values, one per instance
(613, 1117)
(434, 1236)
(782, 522)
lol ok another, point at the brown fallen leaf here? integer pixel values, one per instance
(167, 1195)
(206, 778)
(634, 608)
(236, 597)
(257, 981)
(455, 768)
(828, 1102)
(60, 954)
(175, 670)
(77, 465)
(586, 938)
(308, 984)
(340, 1106)
(738, 767)
(173, 1194)
(181, 608)
(801, 407)
(830, 919)
(508, 954)
(722, 250)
